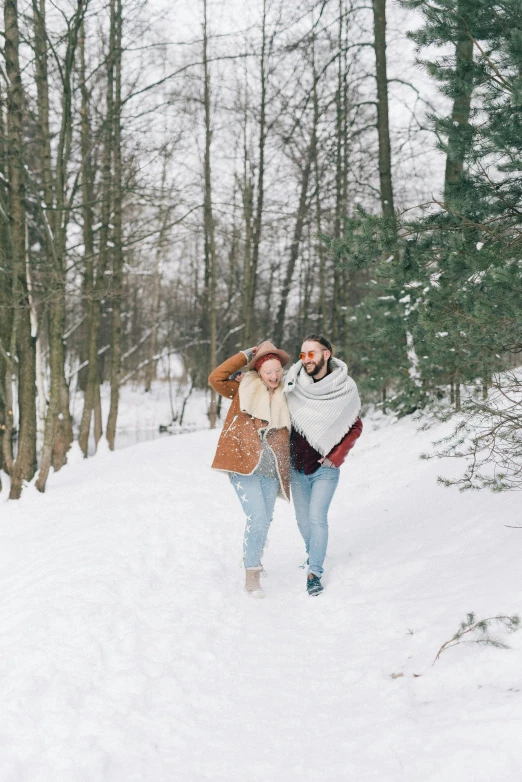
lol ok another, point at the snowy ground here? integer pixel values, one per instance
(130, 653)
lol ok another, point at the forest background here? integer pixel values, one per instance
(185, 180)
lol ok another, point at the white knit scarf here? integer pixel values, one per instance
(324, 411)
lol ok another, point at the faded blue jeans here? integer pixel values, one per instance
(312, 495)
(257, 496)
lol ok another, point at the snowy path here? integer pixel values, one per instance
(130, 653)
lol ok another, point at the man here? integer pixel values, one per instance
(324, 408)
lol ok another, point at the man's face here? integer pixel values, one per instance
(315, 357)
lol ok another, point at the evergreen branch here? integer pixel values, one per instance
(469, 625)
(500, 80)
(462, 217)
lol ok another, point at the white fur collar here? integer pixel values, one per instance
(254, 399)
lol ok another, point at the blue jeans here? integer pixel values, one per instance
(257, 495)
(312, 495)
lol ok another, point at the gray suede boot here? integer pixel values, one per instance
(252, 585)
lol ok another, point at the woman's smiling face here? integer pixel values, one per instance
(271, 373)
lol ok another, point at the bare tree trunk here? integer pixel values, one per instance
(248, 204)
(383, 124)
(150, 373)
(185, 400)
(42, 87)
(117, 274)
(55, 335)
(320, 247)
(7, 354)
(58, 429)
(307, 283)
(347, 283)
(233, 275)
(88, 233)
(39, 349)
(25, 465)
(4, 290)
(7, 433)
(210, 243)
(92, 392)
(64, 424)
(97, 410)
(294, 248)
(337, 272)
(7, 330)
(258, 220)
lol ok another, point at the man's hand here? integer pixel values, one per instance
(326, 462)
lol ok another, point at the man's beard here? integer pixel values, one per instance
(316, 367)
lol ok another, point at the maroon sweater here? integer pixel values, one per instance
(305, 458)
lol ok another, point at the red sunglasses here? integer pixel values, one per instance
(310, 354)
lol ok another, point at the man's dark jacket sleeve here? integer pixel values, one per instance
(339, 453)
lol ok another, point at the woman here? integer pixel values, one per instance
(254, 446)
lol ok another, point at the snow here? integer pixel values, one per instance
(129, 651)
(477, 277)
(141, 413)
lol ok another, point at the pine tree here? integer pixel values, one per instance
(465, 254)
(453, 281)
(377, 323)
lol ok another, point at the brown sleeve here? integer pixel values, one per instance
(219, 379)
(339, 453)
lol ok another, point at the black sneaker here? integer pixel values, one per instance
(313, 584)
